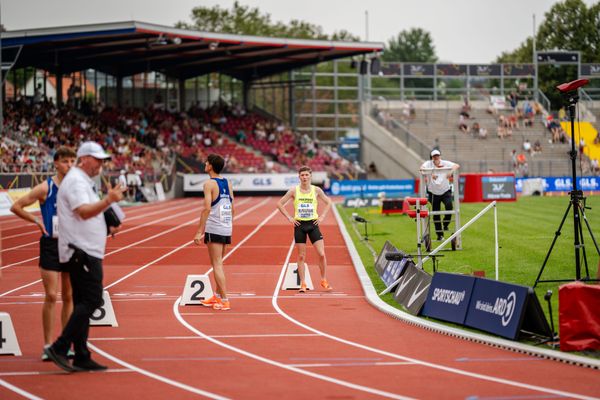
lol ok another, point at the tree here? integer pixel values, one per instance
(413, 45)
(244, 20)
(568, 25)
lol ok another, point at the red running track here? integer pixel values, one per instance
(272, 344)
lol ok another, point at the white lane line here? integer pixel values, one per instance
(38, 373)
(143, 267)
(267, 360)
(413, 360)
(129, 218)
(156, 376)
(20, 391)
(354, 364)
(246, 336)
(120, 233)
(279, 364)
(131, 245)
(229, 313)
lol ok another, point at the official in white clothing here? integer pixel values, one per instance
(438, 188)
(81, 244)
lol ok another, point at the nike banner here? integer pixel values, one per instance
(412, 288)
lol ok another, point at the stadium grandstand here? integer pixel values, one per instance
(134, 87)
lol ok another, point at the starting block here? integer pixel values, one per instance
(196, 289)
(8, 338)
(105, 314)
(291, 281)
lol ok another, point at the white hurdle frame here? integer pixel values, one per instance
(445, 242)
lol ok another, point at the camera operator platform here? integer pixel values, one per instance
(440, 185)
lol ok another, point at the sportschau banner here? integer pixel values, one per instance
(381, 261)
(497, 307)
(359, 202)
(412, 289)
(448, 297)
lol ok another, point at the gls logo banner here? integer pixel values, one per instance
(497, 307)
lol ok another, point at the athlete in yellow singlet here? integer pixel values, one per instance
(306, 222)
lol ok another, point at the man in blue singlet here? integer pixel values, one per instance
(50, 268)
(216, 225)
(306, 222)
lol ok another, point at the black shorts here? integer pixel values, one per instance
(214, 238)
(49, 255)
(307, 228)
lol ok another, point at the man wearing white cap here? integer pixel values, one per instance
(81, 244)
(438, 188)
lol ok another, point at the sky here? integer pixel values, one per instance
(463, 31)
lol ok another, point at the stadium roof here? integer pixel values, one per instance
(127, 48)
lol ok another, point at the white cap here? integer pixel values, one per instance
(92, 149)
(435, 153)
(123, 172)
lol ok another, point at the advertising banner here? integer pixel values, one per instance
(448, 297)
(498, 187)
(412, 288)
(358, 202)
(372, 187)
(564, 183)
(497, 307)
(381, 261)
(245, 182)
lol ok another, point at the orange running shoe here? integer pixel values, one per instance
(325, 285)
(222, 305)
(303, 288)
(210, 302)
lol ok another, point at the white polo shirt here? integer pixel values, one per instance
(77, 189)
(438, 183)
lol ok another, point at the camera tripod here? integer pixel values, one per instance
(577, 200)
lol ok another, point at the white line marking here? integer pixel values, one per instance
(354, 364)
(19, 390)
(157, 377)
(269, 361)
(143, 267)
(413, 360)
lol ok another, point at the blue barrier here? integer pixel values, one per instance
(448, 297)
(363, 188)
(497, 307)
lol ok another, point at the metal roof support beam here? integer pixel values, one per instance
(59, 88)
(119, 91)
(181, 95)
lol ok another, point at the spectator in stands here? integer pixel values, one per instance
(562, 114)
(438, 188)
(475, 129)
(527, 146)
(512, 99)
(537, 147)
(462, 124)
(595, 166)
(582, 147)
(513, 157)
(482, 133)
